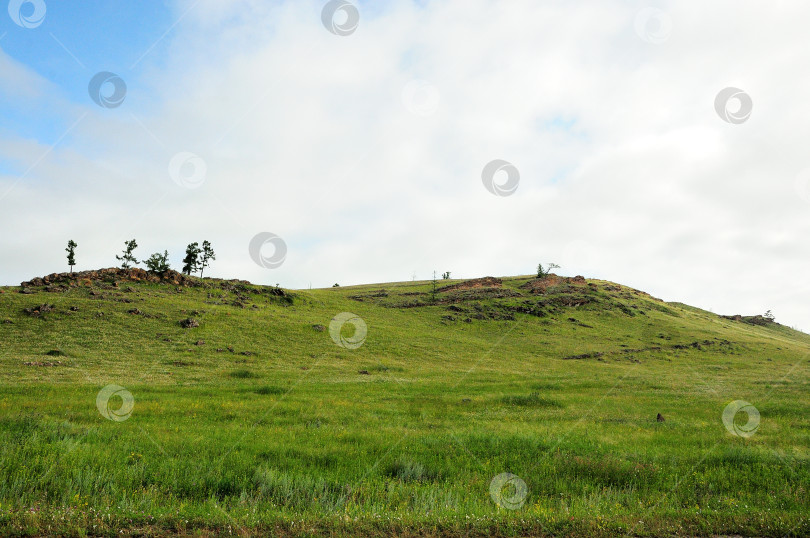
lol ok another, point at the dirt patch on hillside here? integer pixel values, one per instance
(485, 282)
(542, 285)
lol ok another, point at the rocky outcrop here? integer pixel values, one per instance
(751, 320)
(541, 285)
(485, 282)
(112, 275)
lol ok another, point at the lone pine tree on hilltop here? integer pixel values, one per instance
(71, 256)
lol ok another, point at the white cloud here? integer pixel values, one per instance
(627, 172)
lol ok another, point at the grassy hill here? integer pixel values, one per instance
(238, 408)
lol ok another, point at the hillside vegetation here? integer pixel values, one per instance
(238, 408)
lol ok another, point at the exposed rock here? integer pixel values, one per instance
(541, 285)
(189, 323)
(55, 289)
(43, 363)
(278, 292)
(111, 276)
(751, 320)
(37, 311)
(370, 295)
(485, 282)
(584, 356)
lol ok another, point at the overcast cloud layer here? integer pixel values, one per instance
(365, 152)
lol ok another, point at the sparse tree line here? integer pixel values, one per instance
(196, 260)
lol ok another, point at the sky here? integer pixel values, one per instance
(661, 145)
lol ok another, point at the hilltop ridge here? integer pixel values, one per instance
(574, 317)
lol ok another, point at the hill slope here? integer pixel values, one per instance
(244, 408)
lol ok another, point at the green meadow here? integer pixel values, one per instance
(268, 418)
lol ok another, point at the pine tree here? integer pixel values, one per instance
(190, 261)
(543, 273)
(206, 254)
(71, 257)
(158, 263)
(127, 257)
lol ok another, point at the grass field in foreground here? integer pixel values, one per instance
(260, 421)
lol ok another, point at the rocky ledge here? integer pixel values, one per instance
(111, 275)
